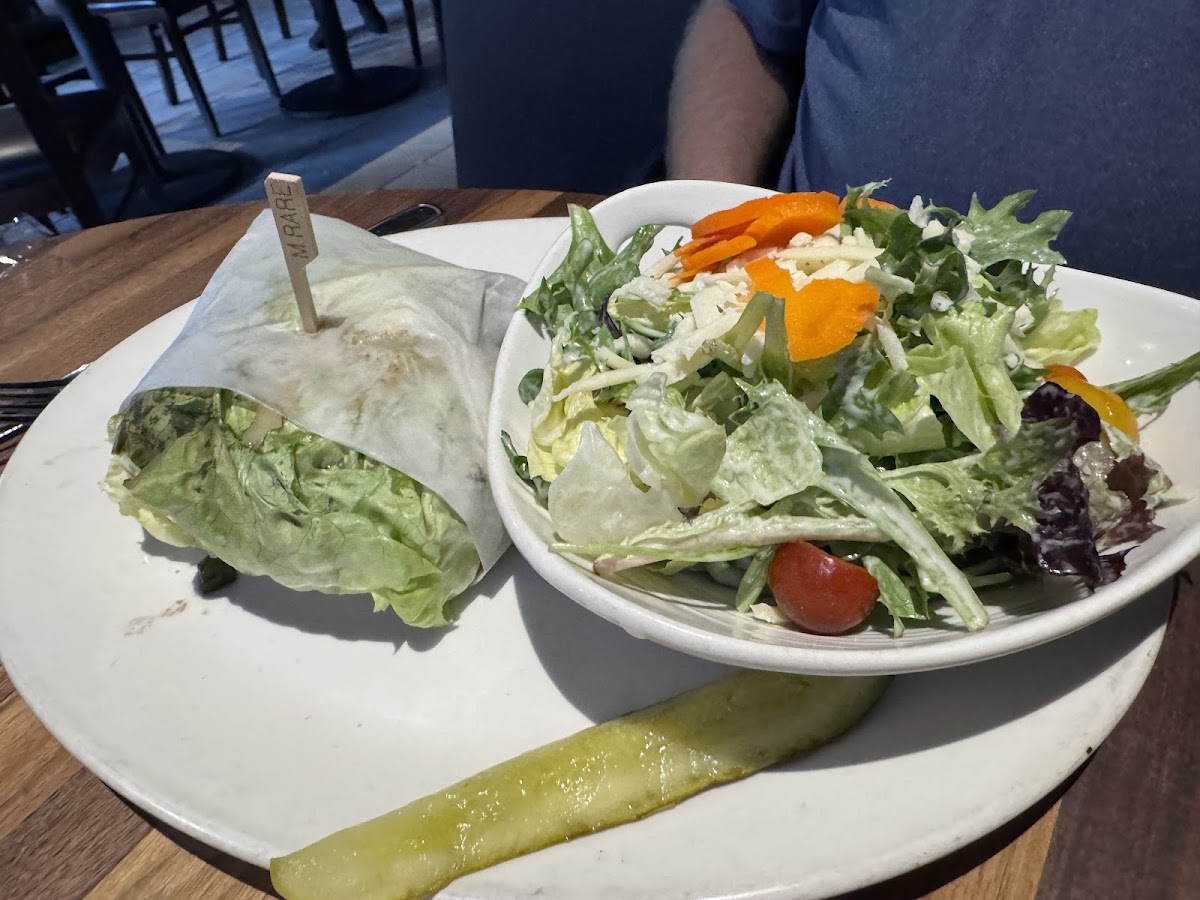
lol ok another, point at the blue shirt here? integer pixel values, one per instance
(1094, 103)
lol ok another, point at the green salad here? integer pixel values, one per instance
(838, 408)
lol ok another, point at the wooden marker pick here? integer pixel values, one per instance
(285, 194)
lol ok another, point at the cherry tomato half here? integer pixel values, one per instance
(818, 591)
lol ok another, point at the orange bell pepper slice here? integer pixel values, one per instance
(736, 218)
(1057, 370)
(826, 316)
(810, 213)
(716, 253)
(823, 316)
(767, 275)
(870, 201)
(1108, 405)
(811, 209)
(683, 251)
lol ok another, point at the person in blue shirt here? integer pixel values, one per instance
(1093, 103)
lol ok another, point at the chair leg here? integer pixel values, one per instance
(438, 25)
(410, 19)
(372, 18)
(214, 22)
(281, 14)
(164, 65)
(144, 170)
(254, 42)
(142, 121)
(184, 57)
(84, 203)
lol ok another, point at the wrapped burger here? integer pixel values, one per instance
(347, 461)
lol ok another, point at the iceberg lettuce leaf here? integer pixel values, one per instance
(729, 532)
(771, 455)
(301, 509)
(667, 445)
(594, 500)
(555, 424)
(1062, 337)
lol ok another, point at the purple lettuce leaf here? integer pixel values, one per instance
(1064, 541)
(1050, 401)
(1131, 477)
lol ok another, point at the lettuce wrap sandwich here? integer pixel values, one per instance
(347, 461)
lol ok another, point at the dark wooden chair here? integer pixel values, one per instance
(55, 151)
(168, 39)
(46, 43)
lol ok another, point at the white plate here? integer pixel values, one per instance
(260, 720)
(1143, 328)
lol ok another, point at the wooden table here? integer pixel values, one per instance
(1127, 826)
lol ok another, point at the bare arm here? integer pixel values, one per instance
(726, 110)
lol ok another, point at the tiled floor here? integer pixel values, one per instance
(406, 144)
(424, 161)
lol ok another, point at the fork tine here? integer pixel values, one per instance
(49, 384)
(9, 416)
(11, 394)
(21, 402)
(9, 436)
(16, 393)
(26, 401)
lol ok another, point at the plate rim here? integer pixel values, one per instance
(84, 749)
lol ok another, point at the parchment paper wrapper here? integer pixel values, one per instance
(401, 369)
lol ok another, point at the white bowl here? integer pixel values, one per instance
(1143, 328)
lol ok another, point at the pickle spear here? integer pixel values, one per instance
(611, 773)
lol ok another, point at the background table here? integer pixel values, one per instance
(347, 91)
(1126, 826)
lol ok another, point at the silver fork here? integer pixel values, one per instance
(20, 404)
(21, 401)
